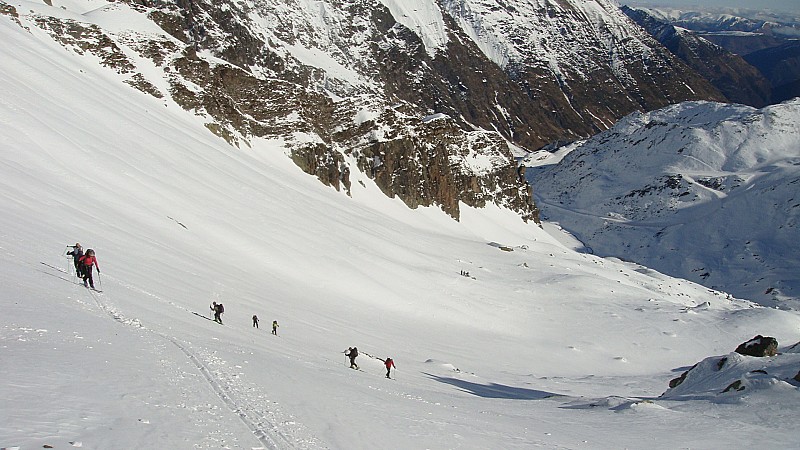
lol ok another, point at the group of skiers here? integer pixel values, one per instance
(274, 324)
(83, 263)
(83, 269)
(352, 353)
(218, 309)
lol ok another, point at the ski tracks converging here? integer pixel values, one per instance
(273, 428)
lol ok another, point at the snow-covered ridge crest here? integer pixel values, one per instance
(704, 191)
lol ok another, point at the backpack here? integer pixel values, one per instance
(221, 308)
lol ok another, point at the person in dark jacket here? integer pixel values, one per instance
(275, 327)
(255, 320)
(76, 253)
(352, 353)
(87, 261)
(218, 310)
(389, 364)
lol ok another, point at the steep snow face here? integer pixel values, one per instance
(423, 17)
(315, 34)
(704, 191)
(553, 33)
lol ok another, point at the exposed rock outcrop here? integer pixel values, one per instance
(675, 382)
(759, 346)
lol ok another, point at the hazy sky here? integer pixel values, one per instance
(779, 5)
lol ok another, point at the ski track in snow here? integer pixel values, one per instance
(272, 428)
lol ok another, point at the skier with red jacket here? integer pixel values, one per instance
(86, 262)
(389, 364)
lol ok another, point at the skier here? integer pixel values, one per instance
(76, 253)
(352, 353)
(87, 261)
(218, 310)
(255, 320)
(389, 364)
(275, 327)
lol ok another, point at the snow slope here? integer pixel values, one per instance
(540, 346)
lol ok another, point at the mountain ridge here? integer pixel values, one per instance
(325, 76)
(703, 191)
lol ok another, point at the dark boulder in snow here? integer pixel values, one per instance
(735, 386)
(759, 346)
(677, 381)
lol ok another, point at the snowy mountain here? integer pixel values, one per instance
(348, 85)
(538, 346)
(731, 74)
(766, 40)
(702, 191)
(712, 19)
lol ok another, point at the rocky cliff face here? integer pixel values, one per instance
(731, 74)
(347, 84)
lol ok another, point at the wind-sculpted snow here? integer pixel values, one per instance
(704, 191)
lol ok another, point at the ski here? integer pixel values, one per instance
(53, 267)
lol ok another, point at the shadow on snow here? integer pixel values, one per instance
(494, 390)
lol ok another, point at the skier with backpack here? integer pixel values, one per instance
(86, 262)
(352, 353)
(389, 364)
(76, 253)
(255, 320)
(218, 310)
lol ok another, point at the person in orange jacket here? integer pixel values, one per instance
(87, 261)
(389, 364)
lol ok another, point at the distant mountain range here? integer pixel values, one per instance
(730, 73)
(766, 41)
